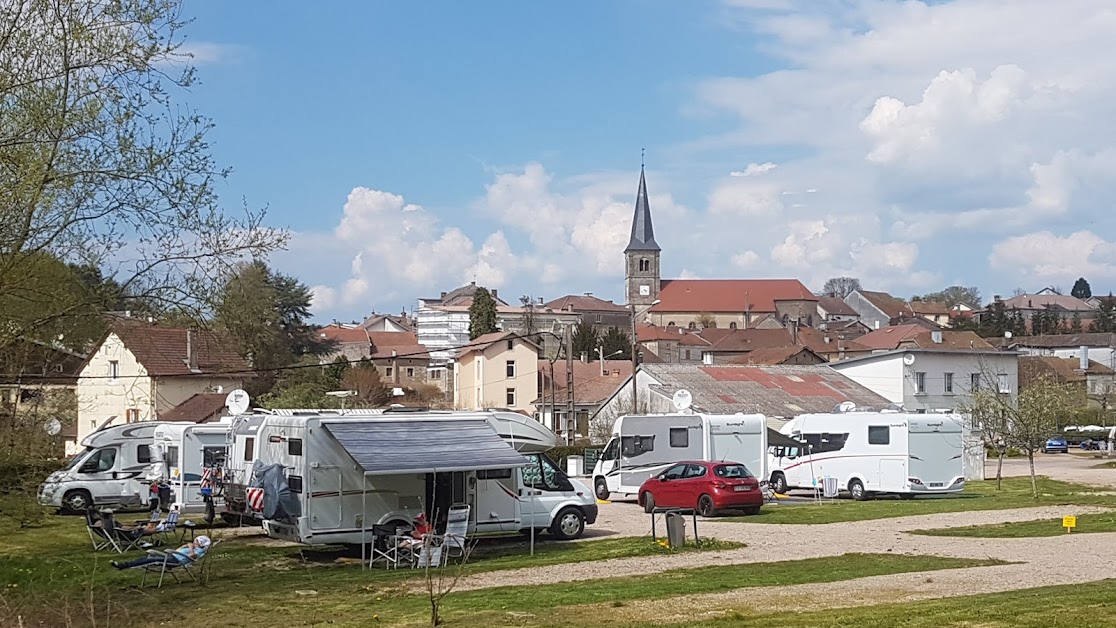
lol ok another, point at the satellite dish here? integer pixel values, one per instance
(53, 427)
(846, 406)
(237, 402)
(908, 359)
(398, 392)
(682, 400)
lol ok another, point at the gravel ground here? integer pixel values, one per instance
(1068, 467)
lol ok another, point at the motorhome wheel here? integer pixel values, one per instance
(569, 524)
(856, 489)
(77, 501)
(601, 488)
(705, 506)
(779, 483)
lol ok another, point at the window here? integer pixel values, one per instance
(693, 471)
(541, 473)
(388, 371)
(510, 397)
(143, 454)
(974, 382)
(114, 369)
(435, 374)
(644, 264)
(172, 457)
(494, 474)
(687, 354)
(675, 472)
(948, 383)
(511, 345)
(1005, 386)
(294, 447)
(249, 449)
(823, 443)
(410, 371)
(692, 325)
(131, 415)
(632, 446)
(732, 471)
(672, 324)
(102, 460)
(295, 483)
(879, 435)
(732, 325)
(920, 383)
(679, 437)
(600, 317)
(509, 368)
(611, 451)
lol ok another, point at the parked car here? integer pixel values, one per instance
(1056, 443)
(706, 486)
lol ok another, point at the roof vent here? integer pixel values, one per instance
(936, 337)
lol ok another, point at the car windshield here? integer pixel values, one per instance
(732, 471)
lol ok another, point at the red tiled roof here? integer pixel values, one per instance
(928, 308)
(480, 343)
(774, 355)
(650, 333)
(589, 385)
(584, 303)
(393, 338)
(162, 350)
(835, 306)
(343, 335)
(403, 352)
(200, 408)
(751, 339)
(728, 295)
(816, 340)
(891, 338)
(1042, 301)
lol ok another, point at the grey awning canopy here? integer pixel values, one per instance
(418, 446)
(775, 439)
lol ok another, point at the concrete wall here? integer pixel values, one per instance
(869, 315)
(883, 376)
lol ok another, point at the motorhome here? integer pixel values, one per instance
(115, 468)
(869, 453)
(643, 446)
(183, 451)
(350, 473)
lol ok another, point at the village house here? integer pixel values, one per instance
(397, 355)
(594, 382)
(879, 309)
(1045, 300)
(140, 371)
(498, 370)
(1093, 383)
(1098, 346)
(597, 313)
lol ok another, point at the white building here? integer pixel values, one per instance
(1099, 347)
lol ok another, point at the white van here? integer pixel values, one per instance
(644, 445)
(350, 473)
(115, 468)
(183, 451)
(872, 452)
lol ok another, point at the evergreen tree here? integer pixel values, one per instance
(1081, 289)
(1018, 323)
(585, 340)
(616, 342)
(1075, 323)
(482, 314)
(996, 322)
(1105, 319)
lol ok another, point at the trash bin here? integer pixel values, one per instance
(575, 466)
(165, 495)
(829, 487)
(676, 529)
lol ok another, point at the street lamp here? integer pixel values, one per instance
(635, 349)
(342, 394)
(600, 352)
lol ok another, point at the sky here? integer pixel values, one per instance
(410, 148)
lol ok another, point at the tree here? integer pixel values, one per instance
(616, 343)
(335, 372)
(1081, 289)
(584, 340)
(955, 295)
(705, 319)
(482, 314)
(840, 287)
(1105, 318)
(1075, 323)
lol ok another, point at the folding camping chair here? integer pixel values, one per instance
(99, 536)
(124, 539)
(170, 565)
(456, 538)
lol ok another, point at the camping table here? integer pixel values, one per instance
(682, 511)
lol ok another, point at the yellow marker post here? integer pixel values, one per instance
(1069, 523)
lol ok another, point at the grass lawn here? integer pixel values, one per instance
(1016, 493)
(1104, 522)
(1106, 465)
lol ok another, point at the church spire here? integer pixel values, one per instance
(643, 233)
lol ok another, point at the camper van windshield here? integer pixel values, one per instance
(76, 460)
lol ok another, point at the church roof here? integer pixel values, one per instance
(643, 233)
(729, 295)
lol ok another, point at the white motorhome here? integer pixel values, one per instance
(115, 468)
(183, 451)
(350, 473)
(872, 452)
(644, 445)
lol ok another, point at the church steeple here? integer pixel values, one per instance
(641, 279)
(643, 232)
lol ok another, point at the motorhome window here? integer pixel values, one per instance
(101, 461)
(543, 474)
(76, 459)
(494, 474)
(249, 448)
(213, 456)
(679, 437)
(172, 457)
(879, 435)
(693, 471)
(294, 447)
(612, 451)
(675, 472)
(732, 471)
(143, 453)
(825, 442)
(294, 482)
(646, 444)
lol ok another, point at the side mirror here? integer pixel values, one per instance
(662, 478)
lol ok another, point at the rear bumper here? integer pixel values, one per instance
(282, 531)
(590, 511)
(736, 499)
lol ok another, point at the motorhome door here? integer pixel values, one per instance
(498, 504)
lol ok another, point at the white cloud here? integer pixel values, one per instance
(1048, 256)
(754, 169)
(747, 259)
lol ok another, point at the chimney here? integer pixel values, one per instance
(540, 300)
(877, 324)
(191, 351)
(494, 294)
(936, 337)
(1084, 358)
(825, 339)
(443, 294)
(996, 297)
(794, 332)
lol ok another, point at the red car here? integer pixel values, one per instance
(707, 486)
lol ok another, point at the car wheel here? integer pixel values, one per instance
(648, 502)
(569, 524)
(856, 489)
(600, 487)
(77, 501)
(705, 506)
(779, 483)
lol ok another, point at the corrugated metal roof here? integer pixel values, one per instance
(417, 446)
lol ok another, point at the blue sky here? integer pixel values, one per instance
(410, 147)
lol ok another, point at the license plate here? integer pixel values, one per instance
(934, 484)
(742, 487)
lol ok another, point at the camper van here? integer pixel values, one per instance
(115, 468)
(643, 446)
(350, 473)
(183, 451)
(871, 453)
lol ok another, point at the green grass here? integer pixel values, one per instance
(1015, 493)
(1103, 522)
(1106, 465)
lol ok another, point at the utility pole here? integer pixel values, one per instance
(635, 359)
(569, 385)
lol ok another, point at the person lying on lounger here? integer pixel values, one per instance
(422, 528)
(183, 555)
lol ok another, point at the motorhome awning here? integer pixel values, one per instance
(417, 446)
(777, 439)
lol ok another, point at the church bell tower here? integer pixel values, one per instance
(641, 280)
